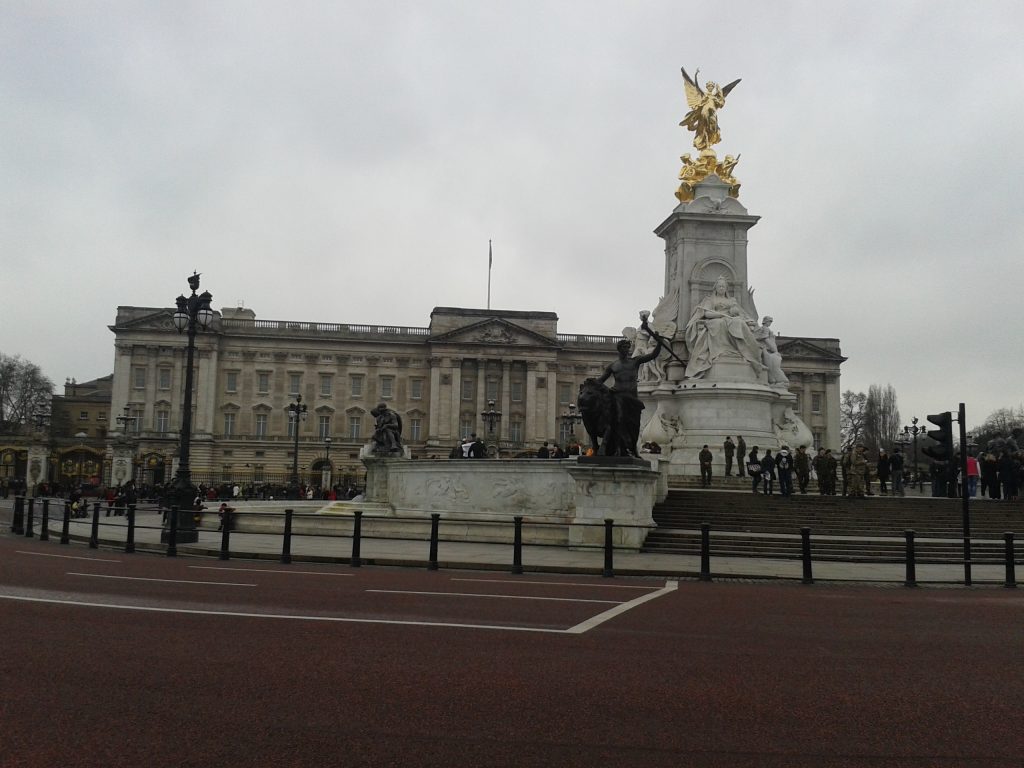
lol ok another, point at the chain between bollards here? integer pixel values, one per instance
(517, 545)
(911, 560)
(435, 520)
(609, 549)
(1011, 570)
(286, 544)
(705, 552)
(357, 536)
(805, 554)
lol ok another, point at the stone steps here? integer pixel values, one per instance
(848, 530)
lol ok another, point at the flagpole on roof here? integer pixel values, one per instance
(490, 261)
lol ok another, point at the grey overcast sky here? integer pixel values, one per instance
(348, 162)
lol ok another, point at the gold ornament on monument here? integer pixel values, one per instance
(702, 119)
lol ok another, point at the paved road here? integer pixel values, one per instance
(116, 660)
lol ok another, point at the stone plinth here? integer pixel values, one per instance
(625, 494)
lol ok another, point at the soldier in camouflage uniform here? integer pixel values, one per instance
(858, 466)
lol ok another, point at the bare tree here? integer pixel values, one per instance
(24, 392)
(852, 407)
(881, 417)
(1002, 421)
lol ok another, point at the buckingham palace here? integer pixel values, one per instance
(440, 378)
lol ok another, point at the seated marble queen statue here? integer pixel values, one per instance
(719, 326)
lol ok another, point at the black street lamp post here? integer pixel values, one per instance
(297, 412)
(915, 431)
(330, 477)
(572, 418)
(193, 313)
(491, 417)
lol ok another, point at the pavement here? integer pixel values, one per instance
(484, 556)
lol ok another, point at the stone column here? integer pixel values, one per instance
(481, 395)
(531, 403)
(551, 428)
(453, 419)
(506, 396)
(434, 435)
(832, 396)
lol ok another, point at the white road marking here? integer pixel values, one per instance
(68, 557)
(559, 583)
(165, 581)
(505, 597)
(266, 570)
(611, 613)
(293, 617)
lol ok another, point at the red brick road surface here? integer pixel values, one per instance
(723, 674)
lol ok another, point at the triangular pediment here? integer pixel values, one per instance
(805, 348)
(158, 319)
(493, 331)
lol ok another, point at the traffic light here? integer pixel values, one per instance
(942, 450)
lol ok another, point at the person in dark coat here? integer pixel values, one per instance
(754, 468)
(1008, 476)
(730, 450)
(768, 472)
(883, 468)
(784, 468)
(802, 467)
(741, 452)
(705, 457)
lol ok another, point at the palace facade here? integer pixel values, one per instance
(440, 378)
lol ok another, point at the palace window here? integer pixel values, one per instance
(517, 391)
(387, 387)
(355, 427)
(515, 431)
(260, 425)
(355, 385)
(163, 420)
(229, 424)
(326, 384)
(164, 378)
(139, 378)
(323, 426)
(815, 403)
(231, 381)
(466, 426)
(468, 386)
(492, 389)
(415, 427)
(564, 392)
(294, 383)
(263, 383)
(415, 389)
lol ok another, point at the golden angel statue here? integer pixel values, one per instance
(704, 104)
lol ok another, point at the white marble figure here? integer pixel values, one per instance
(792, 431)
(719, 327)
(770, 353)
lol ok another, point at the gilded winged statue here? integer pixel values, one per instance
(704, 104)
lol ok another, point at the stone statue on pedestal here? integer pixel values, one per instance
(717, 327)
(770, 353)
(612, 416)
(387, 436)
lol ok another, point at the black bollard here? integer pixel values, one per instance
(609, 549)
(65, 528)
(172, 532)
(435, 520)
(911, 580)
(225, 536)
(94, 533)
(357, 535)
(129, 538)
(517, 545)
(18, 519)
(286, 544)
(30, 523)
(805, 541)
(705, 552)
(44, 524)
(1011, 570)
